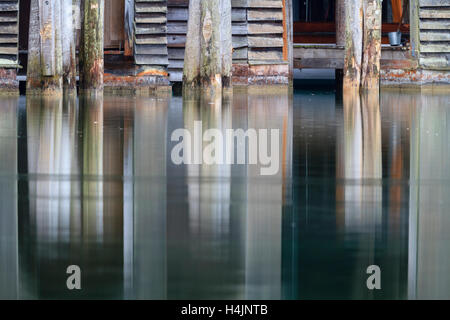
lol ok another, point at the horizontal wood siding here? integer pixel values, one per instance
(150, 46)
(239, 29)
(265, 31)
(434, 34)
(9, 32)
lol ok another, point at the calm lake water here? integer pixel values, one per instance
(362, 180)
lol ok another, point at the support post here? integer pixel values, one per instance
(68, 45)
(353, 43)
(44, 71)
(414, 28)
(91, 54)
(370, 77)
(340, 39)
(211, 62)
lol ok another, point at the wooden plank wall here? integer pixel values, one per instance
(151, 33)
(434, 34)
(177, 16)
(9, 32)
(265, 31)
(257, 29)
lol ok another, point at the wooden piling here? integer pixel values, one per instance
(68, 37)
(91, 53)
(44, 48)
(226, 43)
(208, 54)
(191, 70)
(340, 22)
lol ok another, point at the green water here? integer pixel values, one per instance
(90, 182)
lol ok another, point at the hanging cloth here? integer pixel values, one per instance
(396, 10)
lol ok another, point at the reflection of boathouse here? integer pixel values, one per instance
(144, 40)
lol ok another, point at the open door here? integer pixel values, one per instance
(314, 20)
(114, 36)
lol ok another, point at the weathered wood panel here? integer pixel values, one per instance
(265, 31)
(177, 16)
(9, 31)
(434, 34)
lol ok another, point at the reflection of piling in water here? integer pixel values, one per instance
(265, 199)
(53, 214)
(208, 191)
(149, 250)
(397, 106)
(359, 159)
(359, 165)
(9, 259)
(372, 165)
(78, 221)
(92, 109)
(71, 164)
(45, 146)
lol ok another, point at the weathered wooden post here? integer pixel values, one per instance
(44, 71)
(68, 45)
(362, 44)
(353, 43)
(51, 48)
(91, 53)
(191, 70)
(226, 43)
(208, 52)
(372, 44)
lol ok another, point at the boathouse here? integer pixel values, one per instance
(144, 40)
